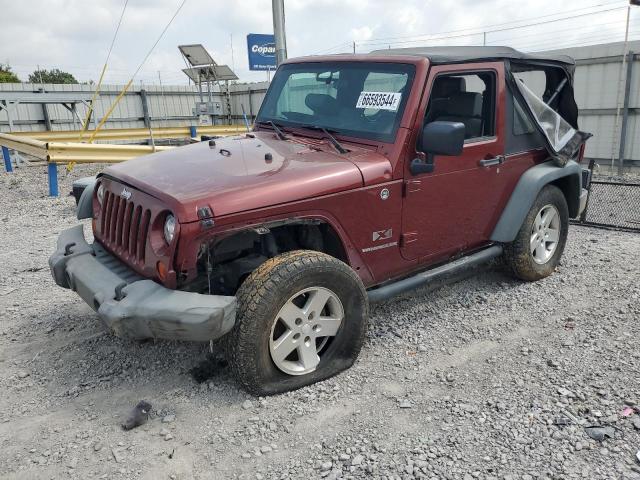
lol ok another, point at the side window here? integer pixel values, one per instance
(522, 124)
(536, 81)
(469, 98)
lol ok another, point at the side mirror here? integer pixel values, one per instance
(438, 138)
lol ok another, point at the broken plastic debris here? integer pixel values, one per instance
(600, 433)
(562, 421)
(138, 416)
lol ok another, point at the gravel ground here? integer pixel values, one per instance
(486, 378)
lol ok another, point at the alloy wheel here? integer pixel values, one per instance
(545, 234)
(303, 329)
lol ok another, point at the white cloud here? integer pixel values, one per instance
(74, 34)
(361, 33)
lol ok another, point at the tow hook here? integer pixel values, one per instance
(67, 248)
(119, 294)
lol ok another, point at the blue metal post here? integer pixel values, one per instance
(53, 179)
(7, 159)
(193, 131)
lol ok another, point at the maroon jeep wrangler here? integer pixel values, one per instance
(364, 176)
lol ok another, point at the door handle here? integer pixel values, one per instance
(488, 162)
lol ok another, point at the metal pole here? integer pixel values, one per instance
(145, 108)
(52, 170)
(279, 30)
(625, 113)
(484, 38)
(200, 87)
(624, 60)
(7, 159)
(47, 118)
(354, 46)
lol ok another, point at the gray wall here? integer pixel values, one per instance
(167, 106)
(596, 84)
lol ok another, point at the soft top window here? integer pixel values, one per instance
(563, 141)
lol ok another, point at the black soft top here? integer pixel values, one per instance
(445, 55)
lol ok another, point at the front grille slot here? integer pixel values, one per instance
(135, 226)
(124, 226)
(142, 234)
(124, 238)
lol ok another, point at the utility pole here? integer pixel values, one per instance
(279, 31)
(615, 141)
(354, 46)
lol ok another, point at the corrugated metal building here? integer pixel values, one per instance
(599, 89)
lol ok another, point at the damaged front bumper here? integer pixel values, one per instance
(130, 305)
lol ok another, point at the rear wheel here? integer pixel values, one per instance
(536, 250)
(302, 318)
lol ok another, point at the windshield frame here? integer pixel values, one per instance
(286, 69)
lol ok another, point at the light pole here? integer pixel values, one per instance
(625, 53)
(278, 30)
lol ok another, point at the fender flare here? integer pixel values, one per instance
(85, 204)
(526, 191)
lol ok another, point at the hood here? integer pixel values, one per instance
(248, 172)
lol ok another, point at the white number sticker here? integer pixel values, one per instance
(379, 100)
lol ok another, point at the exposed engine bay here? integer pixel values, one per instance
(224, 263)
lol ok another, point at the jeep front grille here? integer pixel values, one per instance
(124, 227)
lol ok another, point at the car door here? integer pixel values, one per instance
(454, 207)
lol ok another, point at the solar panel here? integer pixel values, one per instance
(196, 55)
(210, 73)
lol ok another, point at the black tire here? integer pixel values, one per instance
(261, 297)
(518, 255)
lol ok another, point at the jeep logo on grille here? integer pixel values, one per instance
(126, 194)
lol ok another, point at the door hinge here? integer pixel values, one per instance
(408, 238)
(411, 186)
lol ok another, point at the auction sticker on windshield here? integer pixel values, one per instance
(379, 100)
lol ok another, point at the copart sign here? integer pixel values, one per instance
(262, 51)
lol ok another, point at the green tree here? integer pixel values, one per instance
(6, 75)
(54, 75)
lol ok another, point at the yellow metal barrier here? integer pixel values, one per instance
(29, 146)
(58, 152)
(51, 146)
(133, 133)
(61, 152)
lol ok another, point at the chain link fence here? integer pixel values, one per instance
(613, 203)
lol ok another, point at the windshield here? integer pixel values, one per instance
(351, 98)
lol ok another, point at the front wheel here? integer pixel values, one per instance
(536, 250)
(302, 318)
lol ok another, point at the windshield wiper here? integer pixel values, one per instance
(328, 135)
(276, 129)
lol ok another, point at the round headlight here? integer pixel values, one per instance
(100, 194)
(169, 228)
